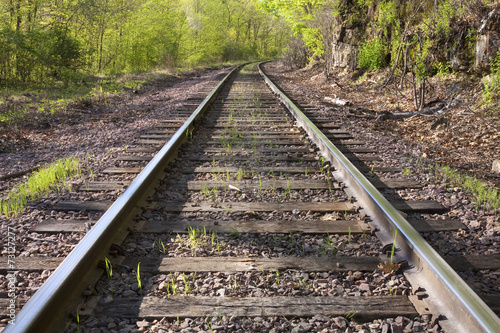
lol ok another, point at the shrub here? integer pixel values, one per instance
(295, 55)
(492, 86)
(372, 54)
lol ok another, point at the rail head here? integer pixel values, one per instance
(449, 295)
(53, 300)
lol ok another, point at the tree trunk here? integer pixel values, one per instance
(101, 40)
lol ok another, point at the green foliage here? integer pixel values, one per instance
(302, 17)
(387, 13)
(492, 85)
(138, 276)
(442, 68)
(41, 182)
(59, 97)
(365, 3)
(372, 54)
(446, 11)
(60, 51)
(313, 41)
(486, 196)
(38, 54)
(155, 48)
(420, 52)
(50, 41)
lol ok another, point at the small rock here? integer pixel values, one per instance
(87, 292)
(258, 293)
(474, 224)
(142, 323)
(108, 299)
(417, 327)
(496, 166)
(92, 323)
(321, 318)
(129, 293)
(147, 214)
(357, 276)
(396, 328)
(163, 286)
(305, 326)
(340, 322)
(364, 287)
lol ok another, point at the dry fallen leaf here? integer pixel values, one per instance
(389, 267)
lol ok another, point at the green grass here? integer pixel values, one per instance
(20, 100)
(138, 276)
(486, 196)
(109, 268)
(47, 179)
(492, 85)
(159, 245)
(371, 54)
(393, 248)
(187, 286)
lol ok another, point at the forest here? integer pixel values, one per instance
(43, 40)
(47, 42)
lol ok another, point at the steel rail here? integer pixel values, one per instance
(48, 306)
(448, 294)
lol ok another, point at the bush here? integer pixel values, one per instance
(59, 51)
(492, 86)
(295, 55)
(38, 54)
(372, 54)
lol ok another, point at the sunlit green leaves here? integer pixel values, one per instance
(48, 41)
(38, 184)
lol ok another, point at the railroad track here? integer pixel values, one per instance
(256, 224)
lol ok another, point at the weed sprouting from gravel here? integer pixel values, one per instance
(159, 245)
(109, 268)
(328, 246)
(486, 196)
(138, 276)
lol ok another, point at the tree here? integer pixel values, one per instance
(42, 40)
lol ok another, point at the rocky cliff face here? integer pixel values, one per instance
(488, 40)
(344, 48)
(470, 45)
(486, 48)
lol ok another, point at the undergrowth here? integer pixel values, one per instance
(371, 54)
(41, 182)
(492, 86)
(485, 196)
(17, 101)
